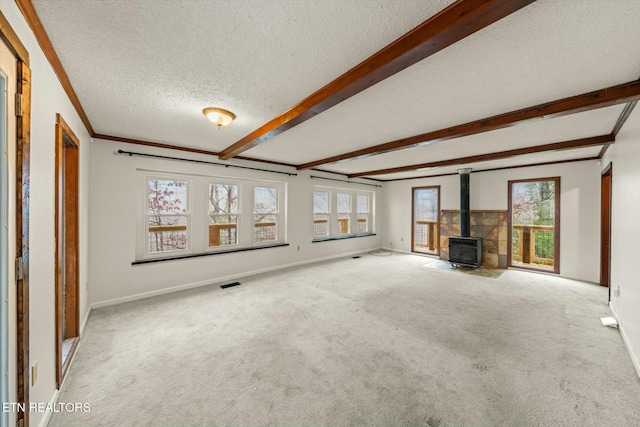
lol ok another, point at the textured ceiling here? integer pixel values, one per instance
(145, 69)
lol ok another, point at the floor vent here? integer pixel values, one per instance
(229, 285)
(356, 257)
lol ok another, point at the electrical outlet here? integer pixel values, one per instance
(616, 292)
(34, 373)
(402, 239)
(298, 247)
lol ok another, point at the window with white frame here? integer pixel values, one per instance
(197, 214)
(344, 213)
(265, 214)
(167, 215)
(339, 212)
(224, 212)
(363, 207)
(321, 213)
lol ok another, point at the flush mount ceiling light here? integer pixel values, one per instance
(219, 116)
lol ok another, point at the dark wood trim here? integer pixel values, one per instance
(12, 41)
(457, 21)
(205, 152)
(413, 210)
(556, 146)
(30, 15)
(601, 98)
(530, 165)
(624, 115)
(153, 144)
(604, 149)
(606, 186)
(67, 254)
(23, 202)
(556, 249)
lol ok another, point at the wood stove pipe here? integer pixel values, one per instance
(465, 214)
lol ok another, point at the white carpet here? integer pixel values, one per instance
(375, 341)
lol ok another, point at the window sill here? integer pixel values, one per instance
(201, 254)
(350, 236)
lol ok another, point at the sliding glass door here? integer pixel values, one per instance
(534, 224)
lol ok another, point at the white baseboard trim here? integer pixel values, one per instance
(634, 358)
(217, 280)
(85, 321)
(47, 415)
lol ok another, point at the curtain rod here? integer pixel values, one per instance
(131, 153)
(342, 180)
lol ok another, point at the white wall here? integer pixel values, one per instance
(47, 99)
(579, 209)
(625, 231)
(116, 189)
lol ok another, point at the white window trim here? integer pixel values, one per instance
(144, 226)
(198, 214)
(240, 214)
(333, 224)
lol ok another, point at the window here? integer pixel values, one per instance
(224, 212)
(426, 220)
(185, 214)
(534, 208)
(167, 216)
(265, 214)
(339, 212)
(320, 214)
(344, 213)
(362, 210)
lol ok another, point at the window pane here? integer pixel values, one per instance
(223, 230)
(320, 214)
(533, 229)
(363, 203)
(425, 227)
(166, 196)
(265, 228)
(363, 223)
(265, 200)
(320, 202)
(223, 199)
(344, 203)
(166, 233)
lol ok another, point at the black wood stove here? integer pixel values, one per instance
(465, 250)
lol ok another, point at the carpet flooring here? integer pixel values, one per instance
(373, 341)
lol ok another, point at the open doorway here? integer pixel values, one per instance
(425, 220)
(534, 224)
(605, 228)
(67, 250)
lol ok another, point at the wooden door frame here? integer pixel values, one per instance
(605, 233)
(67, 254)
(23, 177)
(556, 243)
(413, 212)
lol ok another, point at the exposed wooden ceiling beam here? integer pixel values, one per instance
(622, 119)
(555, 146)
(452, 24)
(619, 94)
(529, 165)
(30, 15)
